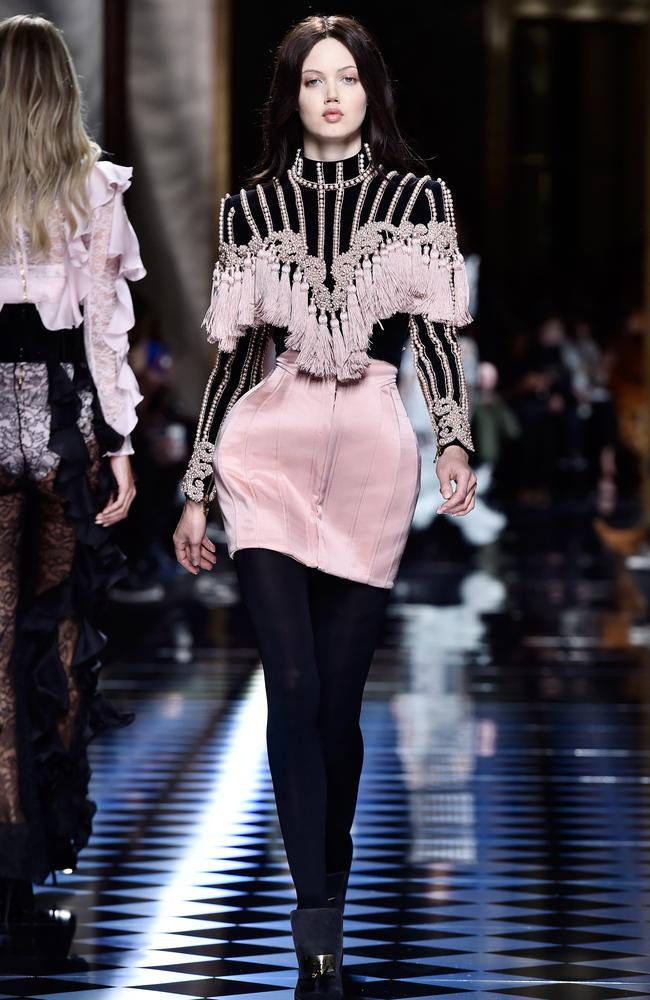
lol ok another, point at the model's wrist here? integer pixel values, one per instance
(456, 449)
(196, 505)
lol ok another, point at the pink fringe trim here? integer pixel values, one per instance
(461, 290)
(246, 311)
(400, 277)
(299, 304)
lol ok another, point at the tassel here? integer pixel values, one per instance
(317, 354)
(462, 316)
(309, 343)
(431, 278)
(362, 289)
(399, 272)
(223, 323)
(357, 364)
(382, 306)
(375, 280)
(283, 311)
(357, 360)
(338, 346)
(272, 292)
(368, 292)
(326, 364)
(438, 304)
(358, 331)
(391, 286)
(299, 303)
(345, 330)
(419, 276)
(210, 318)
(230, 334)
(414, 281)
(261, 270)
(245, 312)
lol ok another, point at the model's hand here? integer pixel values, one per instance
(118, 504)
(454, 464)
(193, 548)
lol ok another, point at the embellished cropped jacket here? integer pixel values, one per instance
(343, 262)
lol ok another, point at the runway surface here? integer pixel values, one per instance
(501, 836)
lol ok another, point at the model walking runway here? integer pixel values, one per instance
(340, 248)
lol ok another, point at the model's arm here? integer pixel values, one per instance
(436, 354)
(240, 343)
(433, 332)
(233, 374)
(113, 260)
(238, 365)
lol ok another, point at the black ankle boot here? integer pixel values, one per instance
(318, 940)
(337, 885)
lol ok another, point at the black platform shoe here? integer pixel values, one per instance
(43, 936)
(337, 885)
(318, 940)
(30, 932)
(16, 901)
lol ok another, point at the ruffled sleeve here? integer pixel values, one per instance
(107, 256)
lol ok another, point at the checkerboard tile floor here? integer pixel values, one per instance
(501, 836)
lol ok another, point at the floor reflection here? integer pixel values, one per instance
(501, 829)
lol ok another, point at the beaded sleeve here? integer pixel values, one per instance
(435, 348)
(235, 371)
(233, 374)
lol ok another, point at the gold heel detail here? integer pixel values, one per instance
(317, 965)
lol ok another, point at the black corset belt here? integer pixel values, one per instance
(24, 338)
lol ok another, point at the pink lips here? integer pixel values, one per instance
(332, 115)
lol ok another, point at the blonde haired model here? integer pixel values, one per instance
(67, 407)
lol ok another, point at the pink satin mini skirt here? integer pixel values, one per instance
(325, 471)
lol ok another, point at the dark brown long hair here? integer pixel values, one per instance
(281, 125)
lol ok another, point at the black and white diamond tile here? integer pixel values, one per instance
(501, 836)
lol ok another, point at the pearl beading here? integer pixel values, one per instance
(279, 193)
(200, 469)
(380, 192)
(358, 208)
(449, 416)
(398, 191)
(320, 201)
(295, 173)
(338, 205)
(302, 226)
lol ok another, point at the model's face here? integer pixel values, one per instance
(332, 103)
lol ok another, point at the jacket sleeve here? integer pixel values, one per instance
(236, 370)
(233, 374)
(435, 347)
(113, 259)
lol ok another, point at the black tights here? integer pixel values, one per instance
(316, 635)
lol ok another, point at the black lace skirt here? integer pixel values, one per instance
(55, 566)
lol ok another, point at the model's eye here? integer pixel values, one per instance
(353, 79)
(314, 79)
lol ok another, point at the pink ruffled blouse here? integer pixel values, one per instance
(88, 265)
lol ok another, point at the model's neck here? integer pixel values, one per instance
(327, 150)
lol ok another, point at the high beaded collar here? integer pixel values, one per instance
(332, 174)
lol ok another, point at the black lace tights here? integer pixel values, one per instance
(316, 634)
